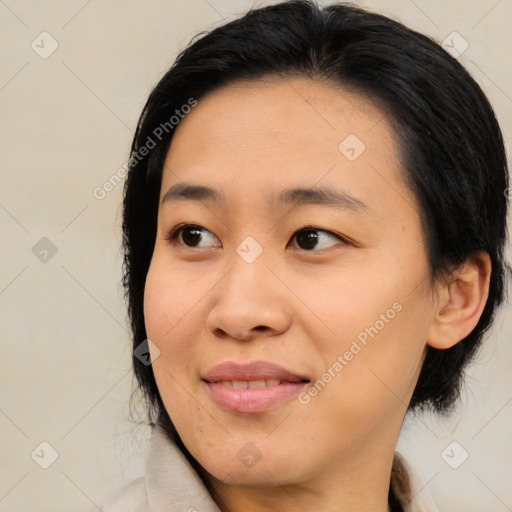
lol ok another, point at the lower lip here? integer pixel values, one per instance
(253, 400)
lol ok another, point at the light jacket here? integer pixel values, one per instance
(171, 484)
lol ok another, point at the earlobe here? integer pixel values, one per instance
(462, 298)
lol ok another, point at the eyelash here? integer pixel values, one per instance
(176, 231)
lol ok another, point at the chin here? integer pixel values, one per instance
(252, 477)
(248, 468)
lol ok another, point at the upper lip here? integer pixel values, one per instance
(255, 370)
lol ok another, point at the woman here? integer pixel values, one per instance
(314, 227)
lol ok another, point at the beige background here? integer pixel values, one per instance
(67, 122)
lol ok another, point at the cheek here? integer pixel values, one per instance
(167, 301)
(365, 385)
(157, 297)
(379, 319)
(166, 306)
(349, 300)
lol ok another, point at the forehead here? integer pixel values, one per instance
(287, 113)
(256, 135)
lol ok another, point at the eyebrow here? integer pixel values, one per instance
(325, 196)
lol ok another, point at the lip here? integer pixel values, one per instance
(252, 400)
(255, 370)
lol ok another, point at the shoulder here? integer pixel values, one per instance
(131, 498)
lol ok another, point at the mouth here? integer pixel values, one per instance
(254, 384)
(252, 387)
(251, 372)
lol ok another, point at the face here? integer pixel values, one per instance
(290, 305)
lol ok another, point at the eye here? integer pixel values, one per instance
(308, 238)
(190, 234)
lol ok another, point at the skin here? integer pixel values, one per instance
(296, 305)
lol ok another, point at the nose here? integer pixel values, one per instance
(249, 303)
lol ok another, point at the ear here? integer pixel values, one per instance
(461, 299)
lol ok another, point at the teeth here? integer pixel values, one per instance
(256, 383)
(244, 384)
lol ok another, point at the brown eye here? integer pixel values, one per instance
(191, 235)
(309, 238)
